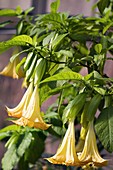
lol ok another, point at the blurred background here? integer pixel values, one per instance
(10, 90)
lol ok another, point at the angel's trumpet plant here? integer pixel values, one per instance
(10, 70)
(66, 153)
(32, 116)
(90, 154)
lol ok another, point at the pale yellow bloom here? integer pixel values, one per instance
(22, 106)
(10, 70)
(90, 154)
(66, 153)
(32, 116)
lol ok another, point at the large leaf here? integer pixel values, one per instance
(47, 92)
(11, 12)
(102, 4)
(10, 128)
(7, 12)
(16, 151)
(104, 128)
(64, 75)
(53, 18)
(10, 158)
(36, 147)
(21, 40)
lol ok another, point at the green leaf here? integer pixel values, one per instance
(63, 75)
(98, 48)
(93, 106)
(54, 6)
(57, 41)
(74, 107)
(36, 147)
(47, 92)
(4, 135)
(21, 40)
(54, 18)
(10, 158)
(47, 39)
(100, 90)
(102, 4)
(10, 128)
(7, 12)
(104, 128)
(16, 150)
(3, 24)
(20, 64)
(24, 145)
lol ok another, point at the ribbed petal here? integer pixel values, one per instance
(10, 70)
(22, 106)
(32, 116)
(90, 152)
(66, 154)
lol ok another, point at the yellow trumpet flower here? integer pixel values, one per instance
(10, 70)
(66, 153)
(90, 155)
(22, 106)
(32, 116)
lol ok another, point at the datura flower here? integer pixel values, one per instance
(10, 70)
(22, 106)
(66, 153)
(31, 116)
(90, 155)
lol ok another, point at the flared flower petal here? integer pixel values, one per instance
(32, 116)
(90, 154)
(66, 153)
(10, 70)
(22, 106)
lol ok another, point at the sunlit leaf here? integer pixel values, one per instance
(64, 75)
(21, 40)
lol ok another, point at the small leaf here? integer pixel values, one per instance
(3, 24)
(4, 135)
(54, 6)
(58, 40)
(98, 48)
(104, 128)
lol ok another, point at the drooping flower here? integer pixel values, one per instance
(10, 70)
(32, 116)
(22, 106)
(90, 155)
(66, 153)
